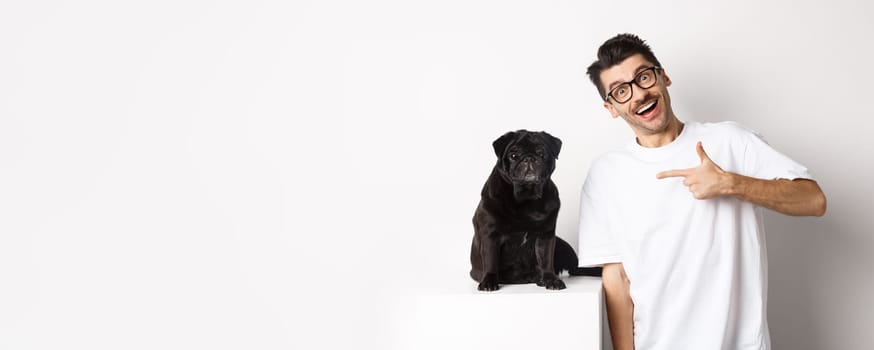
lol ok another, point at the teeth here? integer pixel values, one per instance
(647, 106)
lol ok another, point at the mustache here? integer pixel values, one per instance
(646, 99)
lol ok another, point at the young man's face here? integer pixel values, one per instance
(648, 111)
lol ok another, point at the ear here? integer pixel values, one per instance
(501, 143)
(609, 107)
(552, 142)
(666, 77)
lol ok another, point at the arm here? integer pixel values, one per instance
(800, 197)
(619, 306)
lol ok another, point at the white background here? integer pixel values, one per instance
(275, 175)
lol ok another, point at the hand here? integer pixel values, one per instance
(705, 181)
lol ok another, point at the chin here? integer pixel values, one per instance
(655, 125)
(527, 191)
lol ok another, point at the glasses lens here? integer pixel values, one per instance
(621, 93)
(646, 79)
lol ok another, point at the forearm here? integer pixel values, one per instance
(620, 308)
(800, 197)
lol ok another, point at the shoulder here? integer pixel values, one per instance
(726, 129)
(728, 133)
(604, 169)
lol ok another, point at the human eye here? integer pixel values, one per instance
(620, 91)
(644, 76)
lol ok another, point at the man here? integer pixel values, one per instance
(675, 217)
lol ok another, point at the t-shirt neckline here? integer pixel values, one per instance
(652, 154)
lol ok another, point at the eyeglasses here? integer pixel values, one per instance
(644, 80)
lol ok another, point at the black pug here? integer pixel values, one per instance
(514, 225)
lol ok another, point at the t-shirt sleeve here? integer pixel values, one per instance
(764, 162)
(598, 245)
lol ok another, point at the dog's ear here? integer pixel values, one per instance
(501, 143)
(552, 142)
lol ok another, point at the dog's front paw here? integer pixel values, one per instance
(551, 282)
(489, 283)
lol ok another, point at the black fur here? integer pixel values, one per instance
(514, 225)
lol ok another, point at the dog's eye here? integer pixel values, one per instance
(541, 154)
(513, 156)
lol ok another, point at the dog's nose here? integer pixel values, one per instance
(529, 166)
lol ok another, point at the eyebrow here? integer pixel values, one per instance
(636, 71)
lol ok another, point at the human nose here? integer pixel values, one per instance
(638, 95)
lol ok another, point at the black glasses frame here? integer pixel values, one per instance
(655, 71)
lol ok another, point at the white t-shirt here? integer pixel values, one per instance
(697, 268)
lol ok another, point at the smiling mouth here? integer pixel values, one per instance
(646, 108)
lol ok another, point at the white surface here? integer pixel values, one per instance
(514, 317)
(276, 175)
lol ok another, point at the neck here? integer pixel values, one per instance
(659, 139)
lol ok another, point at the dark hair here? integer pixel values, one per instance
(614, 51)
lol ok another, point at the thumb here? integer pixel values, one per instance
(702, 154)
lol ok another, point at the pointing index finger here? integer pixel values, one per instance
(674, 173)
